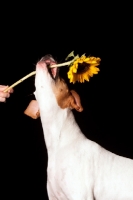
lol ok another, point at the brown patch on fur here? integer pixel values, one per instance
(66, 98)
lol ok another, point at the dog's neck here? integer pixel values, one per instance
(60, 127)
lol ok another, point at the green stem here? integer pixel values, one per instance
(33, 73)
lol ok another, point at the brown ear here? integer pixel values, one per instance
(32, 110)
(75, 101)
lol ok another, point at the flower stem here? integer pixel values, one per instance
(21, 80)
(62, 64)
(34, 72)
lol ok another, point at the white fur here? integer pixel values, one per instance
(78, 169)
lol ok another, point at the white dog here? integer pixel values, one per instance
(78, 169)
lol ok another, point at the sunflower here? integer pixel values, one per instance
(83, 68)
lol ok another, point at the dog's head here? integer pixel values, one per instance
(51, 90)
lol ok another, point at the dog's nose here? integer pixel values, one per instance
(47, 57)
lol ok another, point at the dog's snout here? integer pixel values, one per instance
(48, 59)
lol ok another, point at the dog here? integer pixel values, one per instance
(78, 168)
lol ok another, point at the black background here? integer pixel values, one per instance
(28, 32)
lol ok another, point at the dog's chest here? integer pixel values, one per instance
(68, 174)
(58, 181)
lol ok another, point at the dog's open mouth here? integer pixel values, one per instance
(53, 72)
(48, 59)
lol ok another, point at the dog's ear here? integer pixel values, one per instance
(32, 110)
(65, 97)
(75, 102)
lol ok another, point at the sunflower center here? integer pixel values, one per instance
(82, 67)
